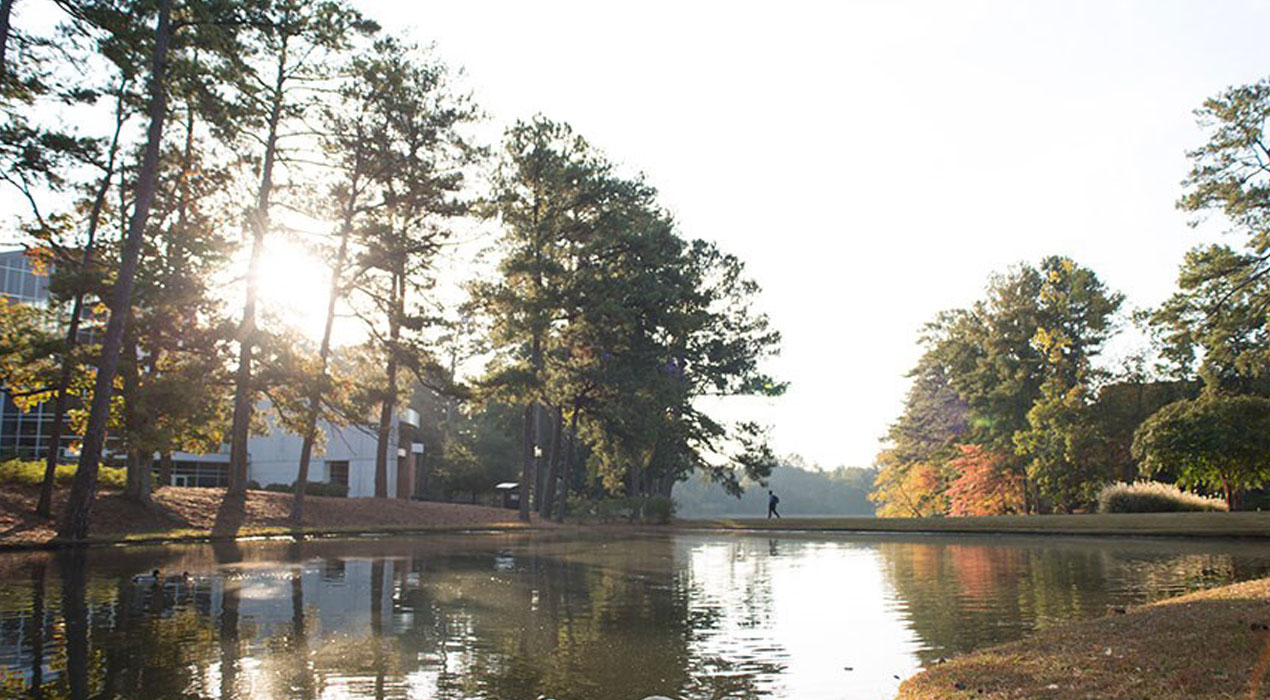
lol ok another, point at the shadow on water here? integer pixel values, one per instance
(696, 617)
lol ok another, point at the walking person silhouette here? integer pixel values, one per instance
(772, 500)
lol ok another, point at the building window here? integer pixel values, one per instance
(337, 472)
(207, 474)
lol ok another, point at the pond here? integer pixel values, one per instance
(694, 616)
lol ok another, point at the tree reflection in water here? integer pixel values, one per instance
(960, 595)
(571, 618)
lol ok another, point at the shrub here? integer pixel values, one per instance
(31, 473)
(657, 510)
(312, 488)
(253, 485)
(1153, 497)
(318, 488)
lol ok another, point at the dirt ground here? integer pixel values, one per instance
(1207, 645)
(192, 511)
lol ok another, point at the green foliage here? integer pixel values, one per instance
(22, 473)
(1153, 497)
(603, 308)
(1012, 374)
(1220, 444)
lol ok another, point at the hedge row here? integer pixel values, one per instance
(16, 471)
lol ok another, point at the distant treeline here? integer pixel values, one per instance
(803, 491)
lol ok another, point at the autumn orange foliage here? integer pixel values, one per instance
(985, 485)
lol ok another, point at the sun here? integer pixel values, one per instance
(293, 287)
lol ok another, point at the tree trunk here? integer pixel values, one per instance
(553, 466)
(136, 487)
(566, 482)
(165, 468)
(526, 460)
(390, 390)
(315, 398)
(6, 11)
(540, 477)
(84, 486)
(140, 477)
(45, 505)
(244, 394)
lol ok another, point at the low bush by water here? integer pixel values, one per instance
(312, 488)
(1153, 497)
(16, 471)
(655, 510)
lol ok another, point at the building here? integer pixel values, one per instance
(349, 458)
(24, 434)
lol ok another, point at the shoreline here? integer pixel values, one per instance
(1238, 525)
(1213, 643)
(194, 515)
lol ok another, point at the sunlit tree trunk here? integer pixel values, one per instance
(390, 387)
(527, 460)
(244, 392)
(324, 353)
(567, 476)
(553, 464)
(84, 486)
(45, 505)
(6, 11)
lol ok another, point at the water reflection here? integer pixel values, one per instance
(698, 617)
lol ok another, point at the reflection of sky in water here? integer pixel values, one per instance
(691, 616)
(809, 619)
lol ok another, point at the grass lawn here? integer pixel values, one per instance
(1210, 644)
(1240, 524)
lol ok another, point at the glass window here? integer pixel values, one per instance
(337, 472)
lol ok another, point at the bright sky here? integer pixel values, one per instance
(873, 161)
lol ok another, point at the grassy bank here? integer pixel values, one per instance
(1251, 524)
(198, 514)
(1210, 644)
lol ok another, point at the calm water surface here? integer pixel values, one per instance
(515, 617)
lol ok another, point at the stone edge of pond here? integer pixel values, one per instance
(1242, 525)
(1212, 643)
(266, 533)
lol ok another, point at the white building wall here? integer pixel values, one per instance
(275, 458)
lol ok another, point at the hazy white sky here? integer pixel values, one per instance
(873, 161)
